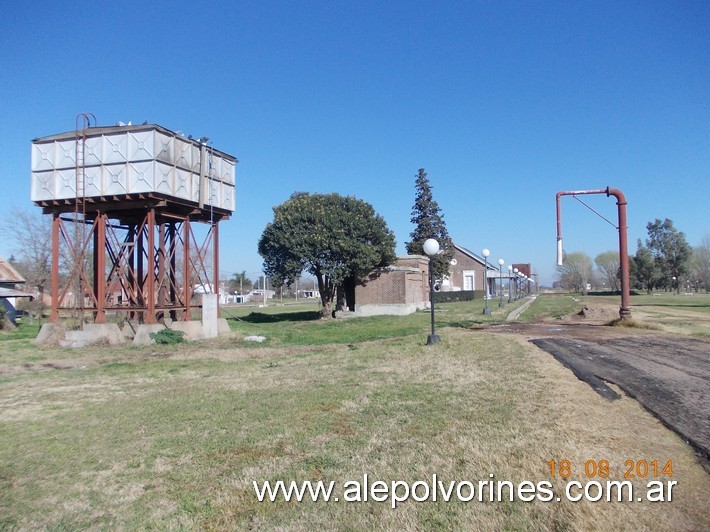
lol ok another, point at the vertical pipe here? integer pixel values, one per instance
(140, 273)
(215, 260)
(100, 266)
(433, 339)
(203, 174)
(431, 293)
(486, 310)
(559, 230)
(500, 271)
(54, 315)
(625, 310)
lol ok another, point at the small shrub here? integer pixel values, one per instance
(2, 318)
(462, 295)
(168, 336)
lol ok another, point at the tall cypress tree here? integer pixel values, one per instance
(429, 223)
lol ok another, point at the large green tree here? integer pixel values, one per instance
(700, 264)
(429, 223)
(340, 240)
(670, 250)
(643, 270)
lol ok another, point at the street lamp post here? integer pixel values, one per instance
(510, 284)
(431, 248)
(500, 271)
(515, 286)
(485, 254)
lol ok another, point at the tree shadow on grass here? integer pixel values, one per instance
(462, 324)
(690, 304)
(260, 317)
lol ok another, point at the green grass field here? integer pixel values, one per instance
(172, 437)
(665, 311)
(300, 324)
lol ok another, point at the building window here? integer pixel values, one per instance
(468, 280)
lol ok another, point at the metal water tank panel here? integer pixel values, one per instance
(141, 145)
(42, 187)
(93, 151)
(140, 177)
(164, 178)
(182, 184)
(163, 148)
(65, 155)
(43, 156)
(93, 181)
(195, 187)
(65, 186)
(229, 201)
(195, 159)
(183, 155)
(115, 149)
(115, 180)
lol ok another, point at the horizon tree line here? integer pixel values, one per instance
(663, 261)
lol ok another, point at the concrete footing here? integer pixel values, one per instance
(223, 327)
(112, 334)
(91, 334)
(193, 329)
(50, 334)
(143, 331)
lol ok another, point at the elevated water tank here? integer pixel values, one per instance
(124, 162)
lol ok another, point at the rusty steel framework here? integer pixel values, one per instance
(147, 259)
(625, 309)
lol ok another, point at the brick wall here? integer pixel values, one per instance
(405, 282)
(524, 268)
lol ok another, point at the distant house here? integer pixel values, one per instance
(466, 272)
(258, 294)
(309, 294)
(10, 280)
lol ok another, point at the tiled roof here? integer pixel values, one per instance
(474, 256)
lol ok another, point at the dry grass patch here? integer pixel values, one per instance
(177, 442)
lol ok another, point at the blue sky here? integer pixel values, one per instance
(503, 103)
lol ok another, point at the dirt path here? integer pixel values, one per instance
(668, 374)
